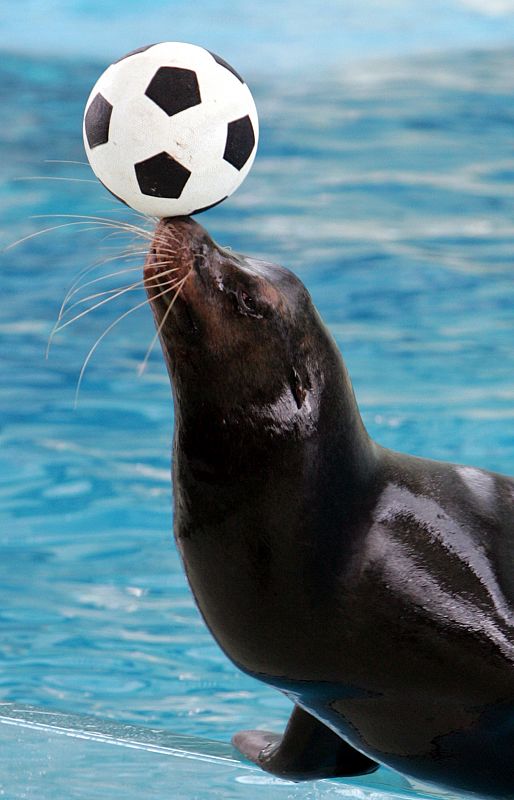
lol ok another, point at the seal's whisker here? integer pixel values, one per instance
(75, 288)
(83, 300)
(139, 214)
(115, 289)
(57, 327)
(119, 227)
(132, 248)
(104, 334)
(49, 230)
(127, 210)
(62, 161)
(118, 232)
(181, 283)
(128, 252)
(89, 217)
(53, 178)
(164, 241)
(90, 227)
(92, 308)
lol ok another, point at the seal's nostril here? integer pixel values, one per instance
(196, 261)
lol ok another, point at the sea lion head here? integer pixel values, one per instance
(241, 337)
(260, 389)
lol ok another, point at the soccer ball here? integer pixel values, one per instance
(171, 129)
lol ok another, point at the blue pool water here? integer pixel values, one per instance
(298, 37)
(389, 188)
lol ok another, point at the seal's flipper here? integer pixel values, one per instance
(307, 750)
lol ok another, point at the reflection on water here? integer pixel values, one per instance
(389, 188)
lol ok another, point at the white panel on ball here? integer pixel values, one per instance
(171, 129)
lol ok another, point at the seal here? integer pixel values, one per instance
(375, 589)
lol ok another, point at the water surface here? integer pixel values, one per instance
(389, 188)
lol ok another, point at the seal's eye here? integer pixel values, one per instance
(247, 305)
(248, 302)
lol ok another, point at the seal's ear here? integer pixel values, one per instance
(298, 389)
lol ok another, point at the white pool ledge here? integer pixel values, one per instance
(51, 755)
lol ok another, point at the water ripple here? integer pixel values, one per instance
(389, 188)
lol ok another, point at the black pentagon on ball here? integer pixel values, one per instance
(97, 120)
(240, 142)
(161, 176)
(221, 61)
(174, 89)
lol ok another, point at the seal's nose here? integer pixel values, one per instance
(182, 230)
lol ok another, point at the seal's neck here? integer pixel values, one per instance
(342, 434)
(267, 518)
(236, 454)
